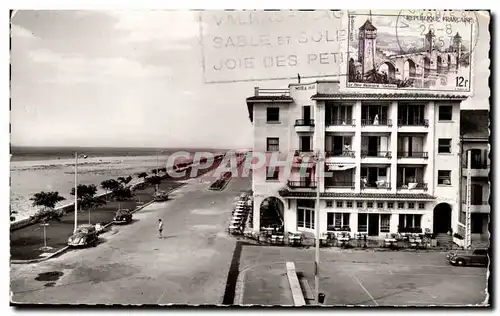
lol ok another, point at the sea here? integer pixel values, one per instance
(35, 169)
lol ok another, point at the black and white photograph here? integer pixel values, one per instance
(248, 158)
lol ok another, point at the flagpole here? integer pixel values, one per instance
(76, 190)
(316, 262)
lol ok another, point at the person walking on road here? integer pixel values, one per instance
(160, 228)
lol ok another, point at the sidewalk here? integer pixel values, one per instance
(26, 243)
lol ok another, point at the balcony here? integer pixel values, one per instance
(410, 187)
(301, 184)
(413, 154)
(413, 126)
(339, 185)
(340, 122)
(477, 206)
(479, 169)
(304, 125)
(303, 153)
(379, 154)
(413, 157)
(375, 185)
(340, 125)
(382, 122)
(424, 123)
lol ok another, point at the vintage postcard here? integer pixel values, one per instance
(250, 158)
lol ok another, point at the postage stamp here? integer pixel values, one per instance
(427, 50)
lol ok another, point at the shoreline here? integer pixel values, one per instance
(69, 207)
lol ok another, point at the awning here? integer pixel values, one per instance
(340, 167)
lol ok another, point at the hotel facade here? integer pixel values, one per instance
(394, 160)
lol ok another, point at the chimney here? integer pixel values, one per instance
(256, 91)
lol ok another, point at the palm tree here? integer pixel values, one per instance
(109, 185)
(48, 201)
(122, 193)
(87, 197)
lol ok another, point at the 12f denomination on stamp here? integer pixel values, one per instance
(411, 50)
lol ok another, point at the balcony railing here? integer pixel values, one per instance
(475, 165)
(341, 153)
(338, 122)
(382, 154)
(338, 184)
(476, 202)
(412, 186)
(382, 122)
(300, 152)
(424, 122)
(304, 122)
(413, 154)
(375, 185)
(301, 184)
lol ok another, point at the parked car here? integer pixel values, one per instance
(478, 256)
(123, 216)
(85, 235)
(161, 196)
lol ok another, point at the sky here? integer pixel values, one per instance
(135, 79)
(130, 78)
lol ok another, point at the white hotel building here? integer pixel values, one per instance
(395, 159)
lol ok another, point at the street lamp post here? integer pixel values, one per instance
(317, 218)
(157, 167)
(76, 191)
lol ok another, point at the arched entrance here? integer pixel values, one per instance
(427, 67)
(271, 212)
(409, 69)
(442, 218)
(388, 70)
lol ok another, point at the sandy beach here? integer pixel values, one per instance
(30, 177)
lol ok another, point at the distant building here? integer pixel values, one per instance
(394, 159)
(474, 136)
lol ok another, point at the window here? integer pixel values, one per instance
(272, 173)
(359, 204)
(421, 206)
(380, 205)
(273, 144)
(411, 205)
(273, 114)
(401, 205)
(369, 204)
(382, 172)
(340, 204)
(349, 204)
(385, 220)
(329, 203)
(390, 205)
(337, 220)
(305, 218)
(362, 222)
(444, 177)
(445, 113)
(444, 145)
(409, 221)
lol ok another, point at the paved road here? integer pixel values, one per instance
(361, 277)
(133, 266)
